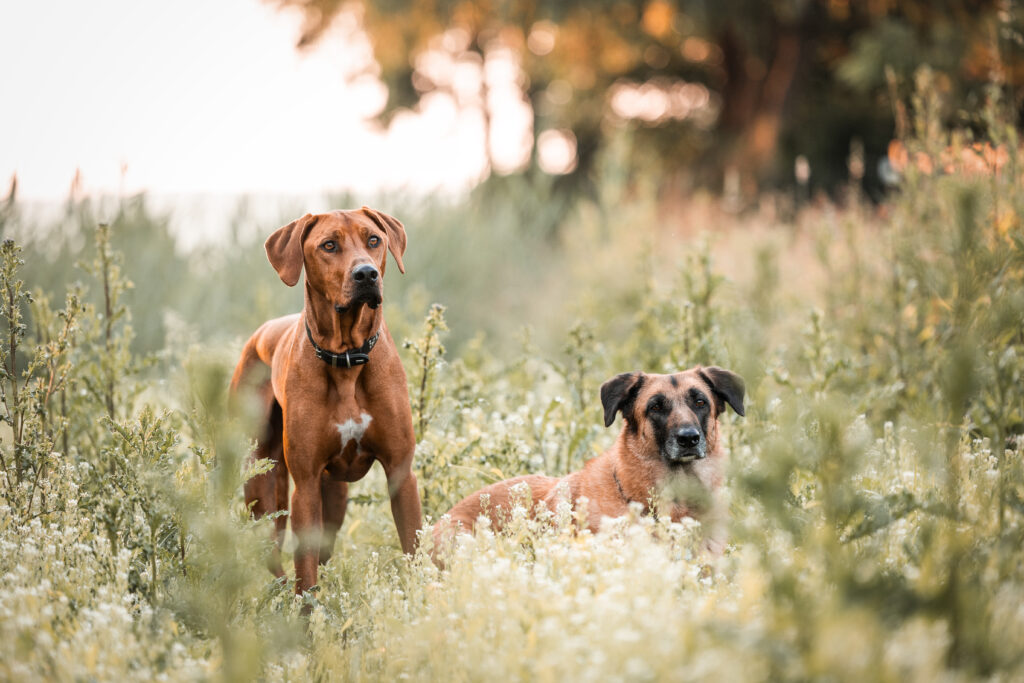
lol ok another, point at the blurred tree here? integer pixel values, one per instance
(717, 92)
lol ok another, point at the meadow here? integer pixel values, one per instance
(876, 484)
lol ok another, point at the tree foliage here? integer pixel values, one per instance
(703, 86)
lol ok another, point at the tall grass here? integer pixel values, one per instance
(876, 483)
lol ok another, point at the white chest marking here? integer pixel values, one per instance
(351, 430)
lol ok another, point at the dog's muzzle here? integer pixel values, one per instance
(373, 299)
(367, 285)
(365, 288)
(685, 445)
(369, 295)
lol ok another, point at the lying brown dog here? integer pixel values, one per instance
(337, 399)
(668, 448)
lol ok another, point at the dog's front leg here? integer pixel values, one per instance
(307, 525)
(716, 526)
(405, 505)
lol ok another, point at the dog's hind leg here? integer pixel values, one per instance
(267, 493)
(334, 497)
(280, 473)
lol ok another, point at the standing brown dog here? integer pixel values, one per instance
(669, 440)
(336, 399)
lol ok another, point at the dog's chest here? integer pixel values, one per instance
(349, 459)
(352, 430)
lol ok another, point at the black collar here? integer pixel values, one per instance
(345, 359)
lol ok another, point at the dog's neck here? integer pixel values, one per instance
(340, 331)
(630, 478)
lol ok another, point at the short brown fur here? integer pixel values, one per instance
(308, 404)
(634, 469)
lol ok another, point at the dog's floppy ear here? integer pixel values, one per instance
(727, 386)
(284, 248)
(619, 393)
(395, 232)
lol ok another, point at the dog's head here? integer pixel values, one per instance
(343, 253)
(673, 417)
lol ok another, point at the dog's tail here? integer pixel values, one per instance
(249, 359)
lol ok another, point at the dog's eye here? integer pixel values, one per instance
(373, 241)
(701, 403)
(329, 246)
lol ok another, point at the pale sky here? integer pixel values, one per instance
(204, 96)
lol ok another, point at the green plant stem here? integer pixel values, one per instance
(14, 416)
(108, 330)
(422, 402)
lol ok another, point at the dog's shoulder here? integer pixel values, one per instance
(270, 335)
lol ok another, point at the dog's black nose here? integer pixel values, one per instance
(688, 437)
(365, 273)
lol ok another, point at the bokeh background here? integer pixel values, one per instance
(198, 127)
(822, 195)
